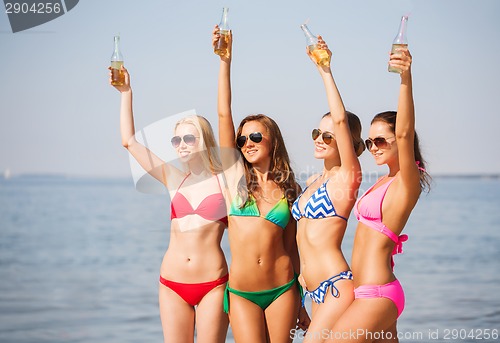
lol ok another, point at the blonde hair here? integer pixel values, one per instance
(210, 152)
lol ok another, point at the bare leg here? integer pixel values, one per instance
(211, 321)
(281, 316)
(365, 320)
(326, 314)
(247, 320)
(391, 335)
(177, 317)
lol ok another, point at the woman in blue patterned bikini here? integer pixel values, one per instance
(323, 208)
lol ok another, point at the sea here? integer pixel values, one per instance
(80, 258)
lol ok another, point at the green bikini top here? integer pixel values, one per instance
(279, 214)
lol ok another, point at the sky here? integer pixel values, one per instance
(59, 115)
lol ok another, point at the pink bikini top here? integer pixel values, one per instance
(368, 210)
(213, 207)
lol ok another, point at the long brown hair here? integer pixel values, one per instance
(280, 169)
(389, 117)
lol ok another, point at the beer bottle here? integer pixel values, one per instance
(400, 41)
(320, 56)
(117, 75)
(220, 47)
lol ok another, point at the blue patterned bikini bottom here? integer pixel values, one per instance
(319, 294)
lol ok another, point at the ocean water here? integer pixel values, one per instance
(79, 261)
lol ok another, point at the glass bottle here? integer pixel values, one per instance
(320, 56)
(400, 41)
(220, 47)
(117, 75)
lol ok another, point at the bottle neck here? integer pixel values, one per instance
(224, 23)
(117, 55)
(401, 37)
(310, 38)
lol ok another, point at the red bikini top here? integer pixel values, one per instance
(213, 207)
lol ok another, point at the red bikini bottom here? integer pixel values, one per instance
(192, 293)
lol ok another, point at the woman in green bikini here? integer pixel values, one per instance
(262, 295)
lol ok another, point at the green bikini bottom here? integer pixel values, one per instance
(261, 298)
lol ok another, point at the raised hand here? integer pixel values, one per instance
(401, 59)
(215, 38)
(126, 86)
(320, 52)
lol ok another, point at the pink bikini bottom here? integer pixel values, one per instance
(391, 290)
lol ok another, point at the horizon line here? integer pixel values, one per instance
(56, 175)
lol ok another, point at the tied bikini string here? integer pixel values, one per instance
(420, 168)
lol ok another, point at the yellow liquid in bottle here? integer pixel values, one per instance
(117, 75)
(220, 47)
(393, 50)
(320, 56)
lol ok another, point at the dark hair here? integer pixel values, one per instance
(280, 169)
(389, 117)
(355, 127)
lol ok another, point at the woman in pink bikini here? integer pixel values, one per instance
(382, 213)
(194, 271)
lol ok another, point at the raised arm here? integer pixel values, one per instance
(337, 112)
(226, 125)
(405, 122)
(155, 166)
(231, 158)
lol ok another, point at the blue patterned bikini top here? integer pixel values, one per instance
(318, 205)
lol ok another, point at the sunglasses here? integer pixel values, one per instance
(379, 142)
(188, 139)
(255, 137)
(326, 136)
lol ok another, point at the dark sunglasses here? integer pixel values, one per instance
(188, 139)
(255, 137)
(326, 136)
(379, 142)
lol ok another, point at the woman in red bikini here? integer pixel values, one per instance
(382, 213)
(194, 271)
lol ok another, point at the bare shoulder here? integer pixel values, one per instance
(172, 176)
(411, 191)
(312, 178)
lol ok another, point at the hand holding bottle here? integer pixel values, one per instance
(320, 52)
(227, 38)
(125, 87)
(320, 56)
(400, 60)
